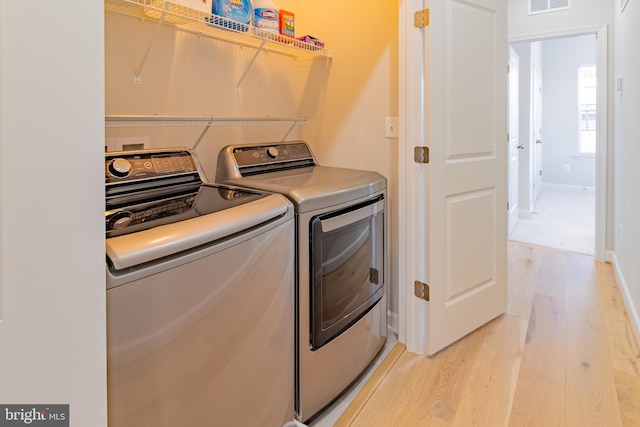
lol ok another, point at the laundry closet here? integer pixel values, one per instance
(169, 84)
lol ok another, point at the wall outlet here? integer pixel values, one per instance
(567, 168)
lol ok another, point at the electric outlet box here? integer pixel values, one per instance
(127, 144)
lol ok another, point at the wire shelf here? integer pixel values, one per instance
(213, 26)
(178, 121)
(205, 121)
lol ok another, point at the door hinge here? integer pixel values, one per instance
(421, 154)
(421, 18)
(421, 290)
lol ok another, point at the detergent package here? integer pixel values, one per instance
(237, 14)
(287, 24)
(265, 18)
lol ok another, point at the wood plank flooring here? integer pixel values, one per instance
(562, 355)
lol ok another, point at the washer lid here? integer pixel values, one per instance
(155, 243)
(316, 187)
(192, 202)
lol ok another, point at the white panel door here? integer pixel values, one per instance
(537, 136)
(514, 141)
(466, 179)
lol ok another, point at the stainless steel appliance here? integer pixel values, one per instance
(200, 288)
(341, 303)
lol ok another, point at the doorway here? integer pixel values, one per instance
(559, 128)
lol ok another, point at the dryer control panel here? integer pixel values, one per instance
(236, 161)
(269, 154)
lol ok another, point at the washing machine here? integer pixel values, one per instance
(341, 257)
(200, 297)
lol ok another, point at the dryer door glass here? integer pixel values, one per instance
(347, 268)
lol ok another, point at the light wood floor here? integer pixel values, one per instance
(562, 355)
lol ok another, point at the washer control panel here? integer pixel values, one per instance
(141, 165)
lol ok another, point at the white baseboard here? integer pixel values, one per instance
(568, 187)
(524, 213)
(609, 256)
(632, 312)
(392, 322)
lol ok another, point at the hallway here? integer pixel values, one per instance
(563, 218)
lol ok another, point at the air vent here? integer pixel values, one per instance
(545, 6)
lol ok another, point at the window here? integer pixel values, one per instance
(543, 6)
(587, 108)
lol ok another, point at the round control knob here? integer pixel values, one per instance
(119, 167)
(272, 152)
(120, 220)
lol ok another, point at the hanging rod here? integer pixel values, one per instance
(175, 121)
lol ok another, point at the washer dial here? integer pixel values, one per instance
(272, 152)
(119, 167)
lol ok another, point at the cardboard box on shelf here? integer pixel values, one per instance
(287, 23)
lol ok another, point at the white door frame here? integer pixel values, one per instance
(602, 123)
(514, 138)
(411, 197)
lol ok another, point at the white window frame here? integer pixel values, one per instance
(582, 109)
(549, 8)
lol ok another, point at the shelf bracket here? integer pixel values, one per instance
(288, 131)
(136, 77)
(203, 133)
(251, 63)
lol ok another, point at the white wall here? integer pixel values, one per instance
(627, 153)
(189, 75)
(52, 284)
(361, 89)
(583, 13)
(560, 122)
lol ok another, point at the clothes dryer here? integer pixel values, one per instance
(341, 261)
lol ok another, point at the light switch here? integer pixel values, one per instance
(391, 127)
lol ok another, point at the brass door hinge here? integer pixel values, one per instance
(421, 154)
(421, 18)
(421, 290)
